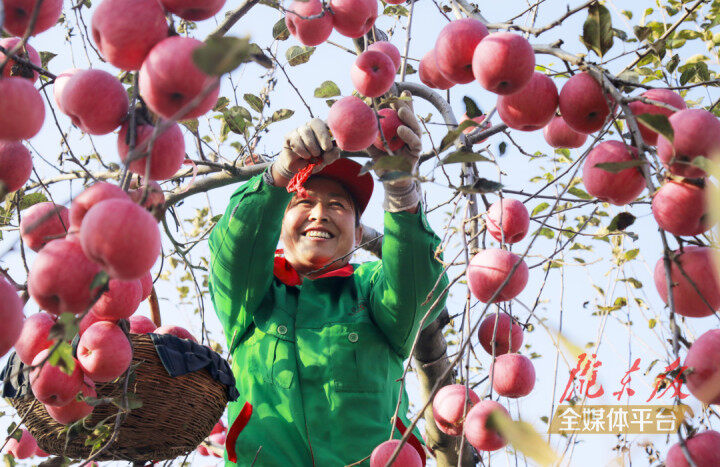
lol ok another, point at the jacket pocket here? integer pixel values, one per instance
(268, 359)
(359, 358)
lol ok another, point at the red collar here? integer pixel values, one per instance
(289, 276)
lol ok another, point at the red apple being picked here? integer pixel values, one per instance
(389, 123)
(352, 123)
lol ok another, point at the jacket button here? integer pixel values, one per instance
(282, 330)
(353, 337)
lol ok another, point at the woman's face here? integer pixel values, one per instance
(320, 228)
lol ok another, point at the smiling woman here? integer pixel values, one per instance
(318, 343)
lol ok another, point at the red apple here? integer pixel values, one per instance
(514, 375)
(353, 18)
(19, 12)
(455, 46)
(104, 352)
(51, 385)
(353, 124)
(407, 457)
(532, 107)
(389, 123)
(193, 10)
(155, 196)
(40, 453)
(141, 324)
(177, 331)
(168, 151)
(11, 315)
(89, 319)
(146, 283)
(583, 104)
(487, 271)
(22, 110)
(169, 79)
(513, 216)
(125, 30)
(122, 237)
(389, 50)
(449, 407)
(616, 188)
(202, 450)
(310, 32)
(95, 100)
(24, 448)
(697, 264)
(372, 73)
(60, 278)
(662, 95)
(696, 133)
(92, 195)
(76, 409)
(503, 62)
(120, 301)
(429, 73)
(703, 367)
(27, 52)
(218, 428)
(15, 165)
(59, 86)
(43, 222)
(704, 450)
(558, 134)
(477, 433)
(508, 336)
(34, 337)
(680, 208)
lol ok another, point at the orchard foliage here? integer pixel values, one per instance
(158, 113)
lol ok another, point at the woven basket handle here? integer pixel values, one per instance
(155, 308)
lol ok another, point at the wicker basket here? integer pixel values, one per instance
(176, 415)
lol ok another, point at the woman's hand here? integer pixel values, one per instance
(302, 146)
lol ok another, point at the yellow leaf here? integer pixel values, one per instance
(524, 438)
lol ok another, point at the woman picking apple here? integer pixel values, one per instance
(318, 343)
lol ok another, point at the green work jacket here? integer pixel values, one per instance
(319, 360)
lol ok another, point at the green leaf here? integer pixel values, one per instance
(31, 199)
(471, 108)
(281, 114)
(616, 167)
(464, 156)
(237, 119)
(651, 323)
(45, 58)
(393, 163)
(62, 357)
(65, 328)
(632, 254)
(280, 30)
(9, 460)
(502, 147)
(191, 124)
(621, 222)
(453, 134)
(642, 32)
(597, 30)
(297, 55)
(540, 208)
(482, 185)
(100, 280)
(221, 55)
(327, 89)
(221, 103)
(634, 282)
(658, 123)
(254, 101)
(579, 193)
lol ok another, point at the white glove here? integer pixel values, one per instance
(302, 145)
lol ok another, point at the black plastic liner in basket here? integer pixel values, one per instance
(181, 402)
